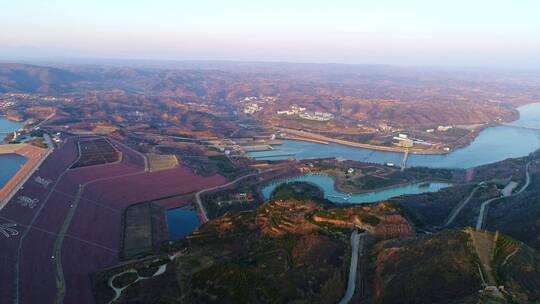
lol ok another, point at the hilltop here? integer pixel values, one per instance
(36, 79)
(445, 268)
(359, 103)
(287, 251)
(298, 251)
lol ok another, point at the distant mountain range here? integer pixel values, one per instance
(36, 79)
(407, 97)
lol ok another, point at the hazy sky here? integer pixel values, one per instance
(408, 32)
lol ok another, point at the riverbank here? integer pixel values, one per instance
(306, 139)
(34, 157)
(8, 126)
(458, 144)
(328, 185)
(13, 117)
(492, 143)
(317, 138)
(339, 184)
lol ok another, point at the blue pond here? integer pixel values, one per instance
(327, 184)
(9, 163)
(182, 222)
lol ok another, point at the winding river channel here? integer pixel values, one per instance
(492, 145)
(327, 184)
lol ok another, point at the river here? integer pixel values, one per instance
(9, 163)
(491, 145)
(327, 184)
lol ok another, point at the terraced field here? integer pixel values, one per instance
(96, 151)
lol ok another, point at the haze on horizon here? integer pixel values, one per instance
(496, 33)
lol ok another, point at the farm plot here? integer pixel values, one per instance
(96, 151)
(139, 233)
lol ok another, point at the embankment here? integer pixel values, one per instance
(32, 153)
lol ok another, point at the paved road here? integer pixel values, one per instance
(527, 178)
(482, 214)
(60, 281)
(146, 165)
(458, 208)
(45, 120)
(357, 243)
(198, 200)
(57, 251)
(17, 278)
(480, 222)
(35, 276)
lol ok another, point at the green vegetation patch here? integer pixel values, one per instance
(224, 165)
(234, 283)
(288, 242)
(125, 279)
(428, 270)
(367, 218)
(298, 191)
(370, 182)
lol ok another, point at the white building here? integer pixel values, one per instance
(293, 110)
(317, 116)
(252, 108)
(443, 128)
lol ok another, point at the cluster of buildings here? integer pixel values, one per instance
(440, 129)
(14, 97)
(261, 99)
(317, 116)
(403, 140)
(56, 138)
(383, 127)
(237, 198)
(8, 100)
(252, 108)
(302, 113)
(4, 104)
(293, 110)
(253, 103)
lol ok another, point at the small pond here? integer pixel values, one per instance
(182, 222)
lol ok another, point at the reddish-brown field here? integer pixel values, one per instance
(92, 240)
